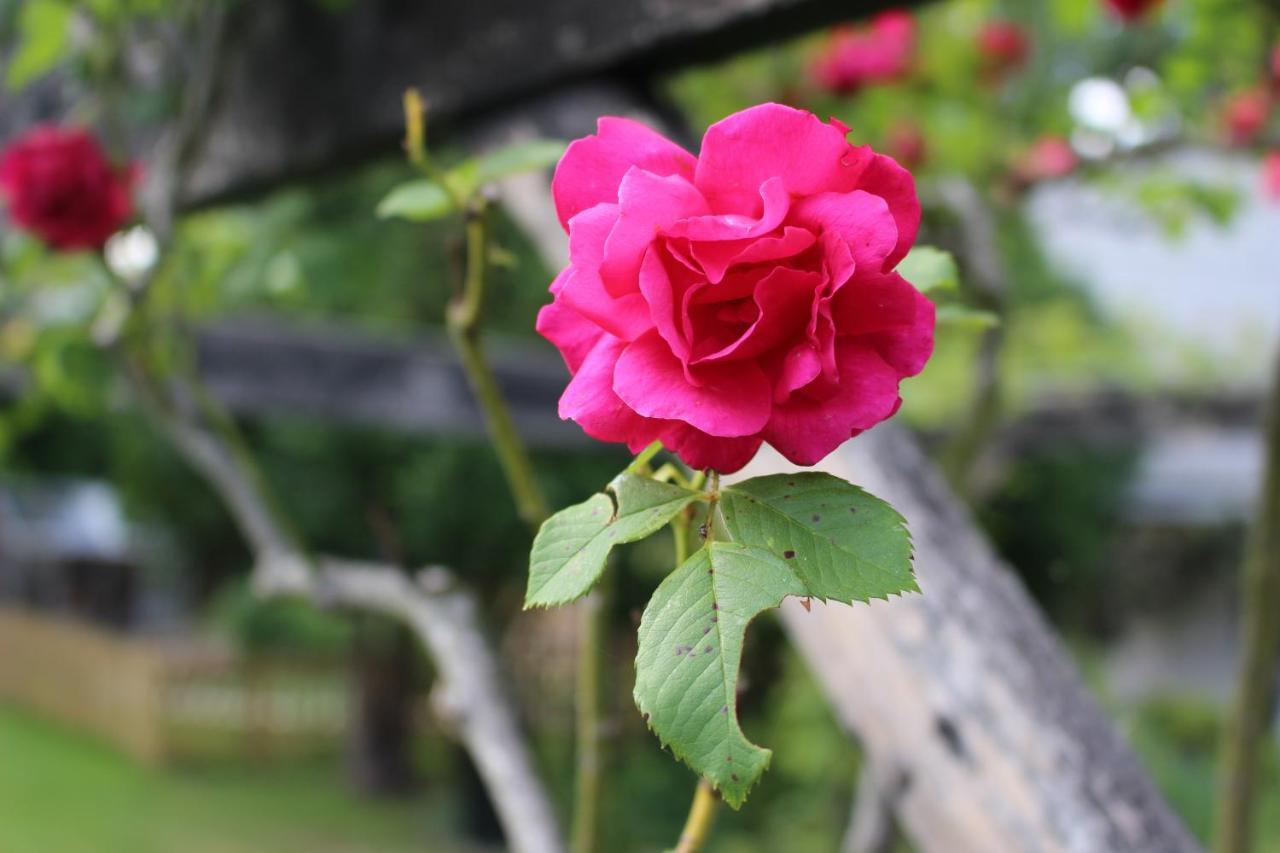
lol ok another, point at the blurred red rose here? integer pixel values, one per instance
(60, 186)
(1271, 174)
(1132, 10)
(879, 52)
(1245, 114)
(905, 143)
(1048, 157)
(1003, 47)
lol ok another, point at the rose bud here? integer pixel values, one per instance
(1003, 47)
(741, 296)
(60, 186)
(877, 53)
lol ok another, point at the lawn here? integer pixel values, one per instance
(62, 792)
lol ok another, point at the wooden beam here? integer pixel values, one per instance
(305, 88)
(260, 367)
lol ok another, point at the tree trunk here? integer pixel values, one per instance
(966, 704)
(379, 748)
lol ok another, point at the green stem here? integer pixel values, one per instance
(592, 640)
(702, 814)
(1259, 654)
(463, 320)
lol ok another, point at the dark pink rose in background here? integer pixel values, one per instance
(1271, 175)
(1003, 48)
(1245, 115)
(60, 186)
(880, 52)
(1049, 157)
(741, 296)
(1132, 11)
(905, 143)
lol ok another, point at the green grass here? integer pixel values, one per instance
(61, 792)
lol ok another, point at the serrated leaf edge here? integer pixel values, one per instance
(900, 520)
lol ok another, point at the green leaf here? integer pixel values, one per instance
(44, 27)
(417, 201)
(930, 269)
(691, 639)
(527, 156)
(571, 548)
(845, 544)
(964, 317)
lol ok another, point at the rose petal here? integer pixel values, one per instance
(648, 204)
(590, 401)
(573, 334)
(886, 178)
(783, 298)
(579, 287)
(892, 316)
(731, 400)
(699, 450)
(801, 366)
(863, 220)
(592, 167)
(805, 430)
(775, 201)
(655, 286)
(715, 258)
(741, 152)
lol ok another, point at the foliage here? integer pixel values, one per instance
(806, 534)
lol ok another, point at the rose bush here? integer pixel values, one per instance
(741, 296)
(60, 186)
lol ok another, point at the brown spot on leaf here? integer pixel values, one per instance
(789, 554)
(816, 518)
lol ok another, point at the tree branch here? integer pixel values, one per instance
(440, 612)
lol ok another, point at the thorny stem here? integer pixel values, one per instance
(463, 320)
(593, 638)
(702, 812)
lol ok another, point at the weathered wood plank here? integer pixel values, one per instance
(305, 88)
(260, 367)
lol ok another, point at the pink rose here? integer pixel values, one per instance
(1003, 47)
(877, 53)
(1048, 157)
(60, 186)
(1271, 175)
(1245, 115)
(741, 296)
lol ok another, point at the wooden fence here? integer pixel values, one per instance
(161, 702)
